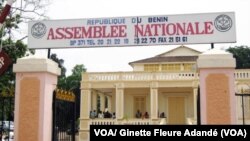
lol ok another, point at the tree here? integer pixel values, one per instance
(31, 9)
(60, 63)
(21, 12)
(15, 48)
(62, 79)
(73, 83)
(242, 56)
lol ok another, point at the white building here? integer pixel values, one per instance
(165, 83)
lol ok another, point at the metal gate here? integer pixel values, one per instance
(6, 116)
(63, 128)
(245, 107)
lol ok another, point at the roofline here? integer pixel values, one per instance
(155, 61)
(159, 55)
(177, 48)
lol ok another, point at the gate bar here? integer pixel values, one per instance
(242, 105)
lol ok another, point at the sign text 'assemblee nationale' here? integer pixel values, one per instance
(133, 31)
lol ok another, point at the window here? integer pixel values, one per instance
(188, 67)
(171, 67)
(151, 67)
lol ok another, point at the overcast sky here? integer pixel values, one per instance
(117, 59)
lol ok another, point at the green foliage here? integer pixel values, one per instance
(71, 82)
(60, 63)
(242, 56)
(15, 50)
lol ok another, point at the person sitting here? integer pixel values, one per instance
(138, 114)
(92, 114)
(95, 114)
(162, 115)
(146, 115)
(107, 114)
(113, 115)
(100, 114)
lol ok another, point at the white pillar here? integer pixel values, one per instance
(154, 100)
(84, 114)
(195, 102)
(119, 101)
(85, 103)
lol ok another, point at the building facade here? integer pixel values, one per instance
(164, 86)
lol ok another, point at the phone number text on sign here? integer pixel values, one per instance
(160, 40)
(98, 42)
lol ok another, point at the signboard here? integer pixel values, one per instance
(5, 61)
(133, 31)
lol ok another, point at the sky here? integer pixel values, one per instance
(111, 59)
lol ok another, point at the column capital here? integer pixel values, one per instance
(119, 85)
(86, 90)
(154, 85)
(195, 88)
(86, 86)
(195, 84)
